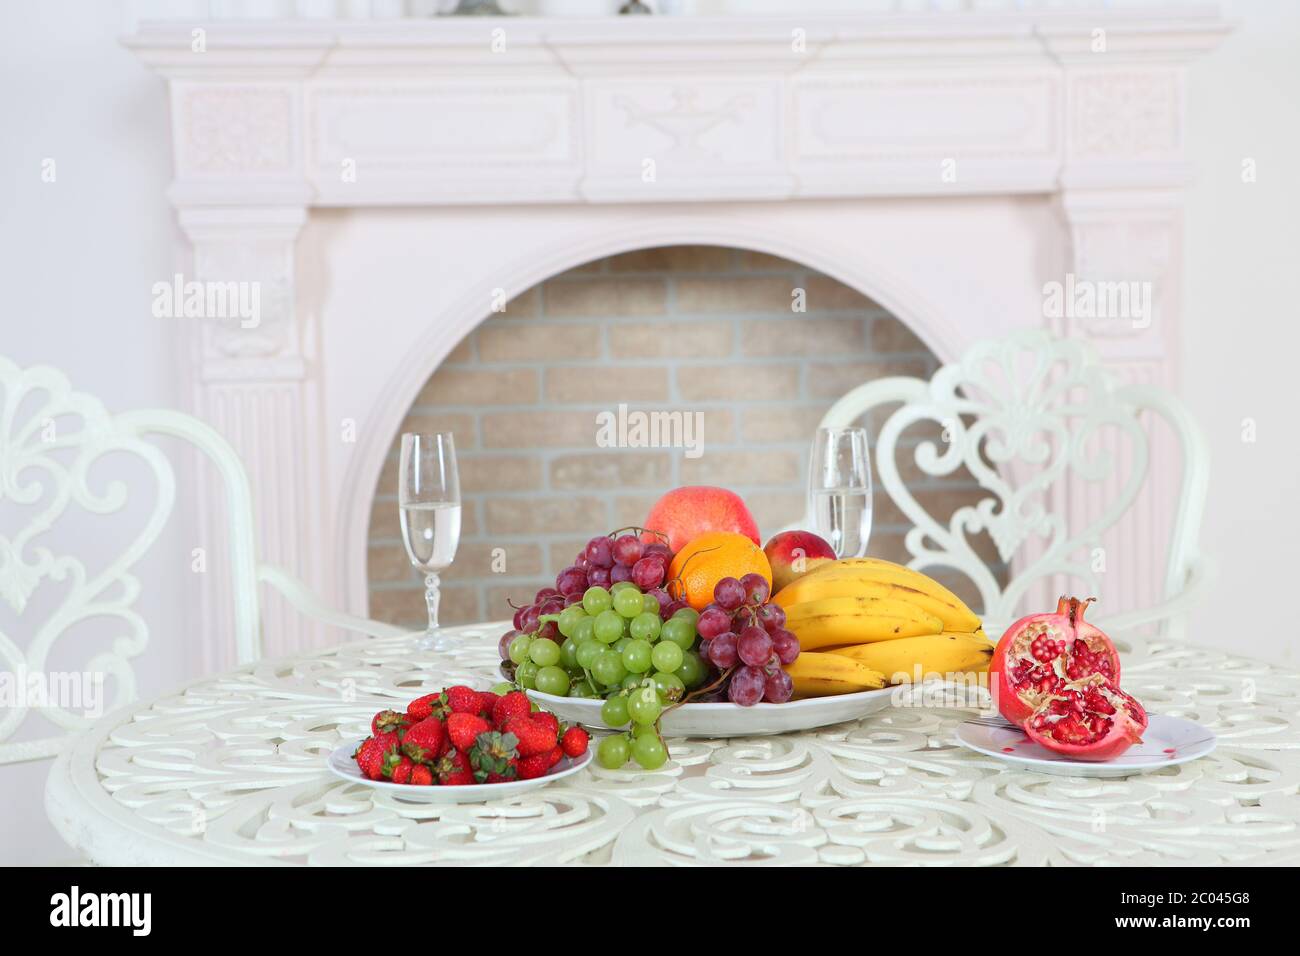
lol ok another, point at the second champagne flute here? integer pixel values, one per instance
(429, 497)
(839, 489)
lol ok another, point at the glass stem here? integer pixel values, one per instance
(431, 596)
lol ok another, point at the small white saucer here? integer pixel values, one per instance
(1167, 742)
(342, 765)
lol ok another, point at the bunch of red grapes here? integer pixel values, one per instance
(741, 630)
(605, 560)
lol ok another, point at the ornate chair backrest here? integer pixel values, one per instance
(1043, 428)
(57, 447)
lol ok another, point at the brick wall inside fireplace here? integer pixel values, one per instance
(690, 328)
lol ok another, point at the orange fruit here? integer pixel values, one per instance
(710, 557)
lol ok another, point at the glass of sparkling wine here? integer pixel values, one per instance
(429, 496)
(839, 489)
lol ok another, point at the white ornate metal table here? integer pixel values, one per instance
(231, 769)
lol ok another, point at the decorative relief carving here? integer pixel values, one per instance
(685, 121)
(703, 126)
(1124, 247)
(268, 266)
(273, 336)
(236, 129)
(1125, 115)
(1139, 252)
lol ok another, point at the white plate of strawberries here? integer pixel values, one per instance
(461, 745)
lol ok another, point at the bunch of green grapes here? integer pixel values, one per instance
(612, 640)
(617, 646)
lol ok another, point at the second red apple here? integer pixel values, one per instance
(793, 554)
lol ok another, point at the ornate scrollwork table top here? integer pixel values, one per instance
(231, 769)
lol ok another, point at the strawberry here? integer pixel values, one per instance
(534, 736)
(425, 741)
(454, 769)
(397, 767)
(388, 727)
(534, 766)
(370, 758)
(494, 757)
(575, 741)
(486, 701)
(549, 720)
(554, 757)
(461, 700)
(513, 704)
(421, 775)
(421, 708)
(389, 740)
(463, 730)
(389, 722)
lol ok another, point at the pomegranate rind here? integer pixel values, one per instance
(1084, 650)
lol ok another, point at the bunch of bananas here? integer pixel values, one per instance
(864, 622)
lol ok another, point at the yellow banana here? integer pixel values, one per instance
(869, 577)
(932, 654)
(821, 675)
(904, 578)
(902, 574)
(846, 584)
(852, 583)
(853, 620)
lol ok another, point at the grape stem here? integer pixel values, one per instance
(686, 699)
(639, 530)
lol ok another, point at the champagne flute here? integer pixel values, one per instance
(429, 497)
(839, 489)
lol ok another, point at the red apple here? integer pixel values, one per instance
(793, 554)
(687, 512)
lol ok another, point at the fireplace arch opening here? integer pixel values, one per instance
(747, 347)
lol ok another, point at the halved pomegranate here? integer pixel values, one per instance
(1038, 655)
(1088, 719)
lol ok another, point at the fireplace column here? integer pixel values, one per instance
(256, 381)
(1121, 200)
(241, 195)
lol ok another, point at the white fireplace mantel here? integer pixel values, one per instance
(532, 110)
(770, 133)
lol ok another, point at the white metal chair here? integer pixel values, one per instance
(51, 438)
(1038, 421)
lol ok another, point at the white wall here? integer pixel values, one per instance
(79, 257)
(1242, 337)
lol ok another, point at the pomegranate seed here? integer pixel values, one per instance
(1045, 649)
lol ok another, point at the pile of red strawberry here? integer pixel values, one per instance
(462, 736)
